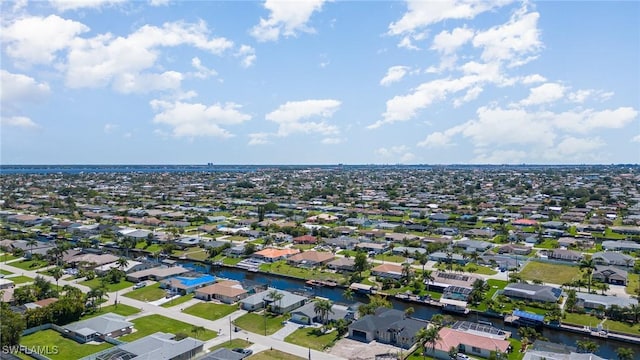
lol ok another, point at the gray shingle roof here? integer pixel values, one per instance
(103, 324)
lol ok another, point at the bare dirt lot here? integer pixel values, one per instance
(356, 350)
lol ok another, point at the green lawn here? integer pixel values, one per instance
(580, 319)
(8, 257)
(198, 255)
(95, 282)
(30, 264)
(255, 323)
(210, 311)
(231, 260)
(147, 293)
(471, 268)
(274, 355)
(281, 267)
(67, 348)
(5, 272)
(153, 323)
(633, 284)
(391, 258)
(20, 279)
(178, 301)
(550, 273)
(121, 309)
(234, 343)
(312, 338)
(622, 327)
(547, 244)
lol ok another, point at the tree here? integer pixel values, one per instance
(427, 276)
(348, 294)
(276, 297)
(408, 312)
(11, 326)
(197, 330)
(453, 352)
(406, 272)
(588, 266)
(57, 273)
(122, 263)
(586, 346)
(249, 248)
(624, 353)
(360, 263)
(323, 308)
(428, 338)
(375, 302)
(31, 243)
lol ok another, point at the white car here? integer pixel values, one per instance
(461, 356)
(139, 285)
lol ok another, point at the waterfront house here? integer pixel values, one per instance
(514, 249)
(156, 273)
(388, 271)
(286, 304)
(613, 258)
(471, 246)
(388, 326)
(468, 343)
(226, 291)
(532, 292)
(310, 258)
(442, 257)
(596, 302)
(341, 264)
(610, 275)
(186, 284)
(273, 254)
(97, 328)
(307, 315)
(373, 248)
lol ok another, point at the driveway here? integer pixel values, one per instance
(356, 350)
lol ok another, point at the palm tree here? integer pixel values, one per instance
(122, 263)
(624, 353)
(428, 338)
(276, 297)
(57, 273)
(31, 243)
(348, 294)
(427, 276)
(323, 308)
(634, 310)
(406, 272)
(588, 265)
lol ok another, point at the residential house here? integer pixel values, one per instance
(132, 266)
(273, 254)
(388, 271)
(610, 275)
(186, 284)
(6, 283)
(388, 326)
(91, 260)
(310, 258)
(412, 251)
(620, 245)
(514, 249)
(305, 239)
(307, 315)
(97, 328)
(286, 304)
(443, 280)
(613, 258)
(226, 291)
(442, 257)
(156, 274)
(563, 254)
(341, 264)
(474, 344)
(532, 292)
(223, 354)
(157, 346)
(374, 248)
(342, 242)
(596, 302)
(471, 246)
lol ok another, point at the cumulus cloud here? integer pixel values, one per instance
(18, 121)
(570, 147)
(332, 141)
(109, 128)
(202, 71)
(247, 55)
(194, 119)
(259, 139)
(65, 5)
(37, 40)
(286, 18)
(399, 153)
(532, 79)
(588, 120)
(290, 115)
(545, 93)
(448, 42)
(19, 88)
(394, 74)
(500, 157)
(636, 138)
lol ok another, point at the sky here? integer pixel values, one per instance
(319, 82)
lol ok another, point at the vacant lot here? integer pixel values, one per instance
(147, 293)
(120, 309)
(312, 338)
(255, 323)
(153, 323)
(210, 311)
(550, 273)
(29, 264)
(67, 348)
(273, 355)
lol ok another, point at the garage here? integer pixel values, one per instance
(359, 335)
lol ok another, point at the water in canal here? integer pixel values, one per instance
(606, 347)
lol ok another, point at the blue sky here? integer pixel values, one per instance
(319, 82)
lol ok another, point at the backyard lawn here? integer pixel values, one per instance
(147, 293)
(255, 323)
(95, 283)
(178, 301)
(273, 355)
(8, 257)
(67, 348)
(622, 327)
(633, 284)
(580, 319)
(210, 311)
(148, 325)
(311, 337)
(550, 273)
(20, 279)
(5, 272)
(281, 267)
(235, 343)
(121, 309)
(29, 264)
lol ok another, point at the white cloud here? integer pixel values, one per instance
(289, 115)
(332, 141)
(438, 139)
(194, 119)
(532, 79)
(259, 139)
(470, 95)
(636, 138)
(448, 42)
(399, 153)
(571, 147)
(203, 72)
(501, 157)
(19, 88)
(394, 74)
(588, 120)
(286, 18)
(109, 128)
(64, 5)
(18, 121)
(158, 2)
(545, 93)
(422, 13)
(513, 42)
(36, 40)
(104, 59)
(247, 55)
(579, 96)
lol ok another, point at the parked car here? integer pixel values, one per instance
(245, 352)
(461, 356)
(139, 285)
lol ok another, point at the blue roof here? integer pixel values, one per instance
(528, 315)
(189, 281)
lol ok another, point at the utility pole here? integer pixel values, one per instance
(230, 331)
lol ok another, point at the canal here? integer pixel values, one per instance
(606, 347)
